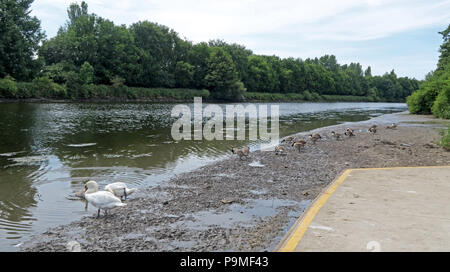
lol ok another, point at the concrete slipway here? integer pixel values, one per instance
(382, 209)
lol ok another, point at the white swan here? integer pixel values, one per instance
(104, 200)
(119, 189)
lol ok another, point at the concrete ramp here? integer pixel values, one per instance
(381, 209)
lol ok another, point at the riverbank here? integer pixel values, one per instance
(247, 205)
(189, 97)
(45, 90)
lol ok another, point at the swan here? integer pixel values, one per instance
(102, 200)
(119, 189)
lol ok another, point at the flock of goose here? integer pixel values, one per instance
(299, 144)
(115, 193)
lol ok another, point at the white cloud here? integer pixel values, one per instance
(259, 23)
(319, 19)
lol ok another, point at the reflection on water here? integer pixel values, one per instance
(47, 151)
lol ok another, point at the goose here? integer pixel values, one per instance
(102, 200)
(288, 139)
(349, 132)
(336, 135)
(280, 150)
(299, 144)
(243, 152)
(315, 137)
(392, 126)
(119, 189)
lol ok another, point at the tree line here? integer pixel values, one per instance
(92, 57)
(433, 95)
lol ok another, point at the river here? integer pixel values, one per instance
(48, 151)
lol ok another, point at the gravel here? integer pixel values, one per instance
(239, 205)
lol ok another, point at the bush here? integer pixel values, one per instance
(56, 73)
(86, 73)
(118, 87)
(308, 96)
(441, 106)
(45, 87)
(315, 96)
(101, 91)
(418, 102)
(73, 85)
(433, 95)
(25, 90)
(8, 87)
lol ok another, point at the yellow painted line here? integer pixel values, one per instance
(293, 241)
(302, 224)
(400, 167)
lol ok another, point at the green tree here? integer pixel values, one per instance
(184, 73)
(20, 35)
(8, 87)
(86, 73)
(198, 56)
(222, 77)
(368, 72)
(433, 95)
(161, 49)
(108, 48)
(444, 58)
(239, 54)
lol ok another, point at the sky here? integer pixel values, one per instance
(385, 34)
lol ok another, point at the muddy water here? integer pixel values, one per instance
(47, 151)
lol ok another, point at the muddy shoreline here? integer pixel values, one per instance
(248, 205)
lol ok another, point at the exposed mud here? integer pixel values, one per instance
(248, 205)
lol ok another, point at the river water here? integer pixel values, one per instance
(48, 150)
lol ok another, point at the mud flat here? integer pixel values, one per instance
(248, 205)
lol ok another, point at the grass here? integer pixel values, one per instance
(45, 88)
(445, 140)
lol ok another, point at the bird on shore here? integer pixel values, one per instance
(243, 152)
(288, 139)
(102, 200)
(336, 135)
(120, 189)
(80, 194)
(349, 132)
(373, 130)
(280, 150)
(392, 126)
(299, 144)
(315, 137)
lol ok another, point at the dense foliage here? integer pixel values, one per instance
(433, 96)
(90, 53)
(20, 35)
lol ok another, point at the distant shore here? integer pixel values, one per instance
(248, 205)
(260, 98)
